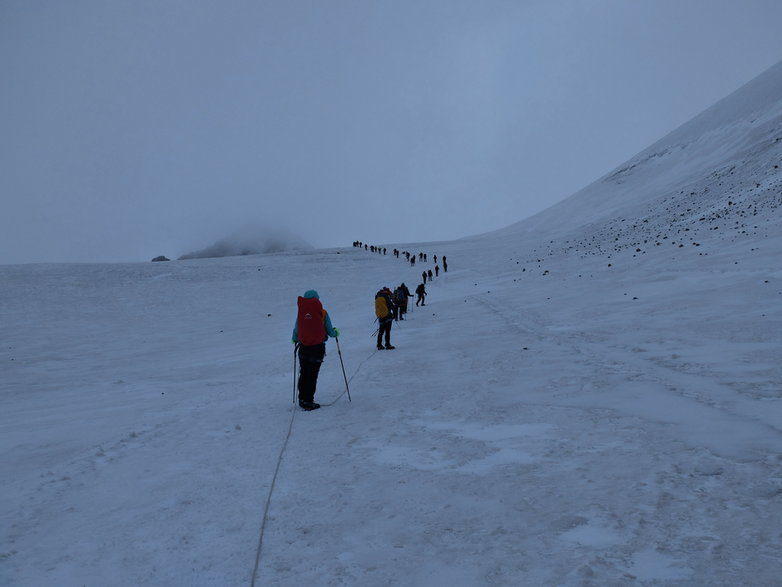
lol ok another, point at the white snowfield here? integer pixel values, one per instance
(589, 397)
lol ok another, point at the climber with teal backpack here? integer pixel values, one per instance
(310, 333)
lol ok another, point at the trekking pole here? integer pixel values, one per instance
(343, 369)
(295, 348)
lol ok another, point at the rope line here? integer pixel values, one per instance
(269, 499)
(277, 471)
(335, 400)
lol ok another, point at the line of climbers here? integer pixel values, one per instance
(313, 328)
(410, 257)
(313, 325)
(372, 248)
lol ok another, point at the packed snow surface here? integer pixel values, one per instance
(590, 397)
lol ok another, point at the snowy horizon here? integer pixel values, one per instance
(589, 397)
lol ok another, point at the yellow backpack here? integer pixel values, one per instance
(381, 307)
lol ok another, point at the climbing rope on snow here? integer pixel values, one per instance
(269, 499)
(277, 471)
(335, 400)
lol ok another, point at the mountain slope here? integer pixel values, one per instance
(722, 165)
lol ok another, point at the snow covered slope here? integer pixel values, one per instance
(589, 397)
(729, 153)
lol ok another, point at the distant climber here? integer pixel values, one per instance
(421, 293)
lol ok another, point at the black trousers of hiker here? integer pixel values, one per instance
(310, 360)
(384, 330)
(401, 310)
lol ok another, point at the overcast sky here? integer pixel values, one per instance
(136, 128)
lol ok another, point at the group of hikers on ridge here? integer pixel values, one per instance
(313, 327)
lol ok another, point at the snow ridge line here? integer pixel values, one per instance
(269, 499)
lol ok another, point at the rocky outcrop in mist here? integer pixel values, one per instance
(249, 242)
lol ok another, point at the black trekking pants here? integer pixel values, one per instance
(310, 360)
(384, 330)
